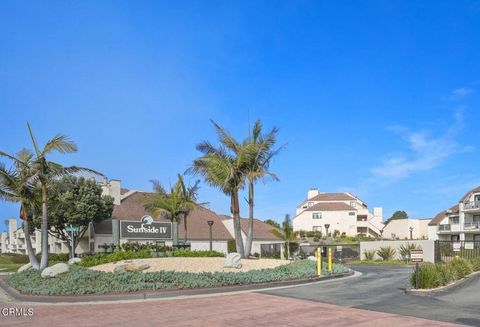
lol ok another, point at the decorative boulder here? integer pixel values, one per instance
(312, 258)
(233, 260)
(73, 261)
(131, 266)
(55, 270)
(28, 266)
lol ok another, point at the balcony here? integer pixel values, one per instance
(472, 206)
(471, 226)
(444, 228)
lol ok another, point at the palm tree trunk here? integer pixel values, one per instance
(28, 241)
(248, 245)
(44, 258)
(288, 250)
(185, 227)
(236, 224)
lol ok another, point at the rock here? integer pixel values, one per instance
(73, 261)
(55, 270)
(131, 266)
(28, 266)
(313, 258)
(233, 260)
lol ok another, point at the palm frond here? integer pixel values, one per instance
(59, 143)
(34, 140)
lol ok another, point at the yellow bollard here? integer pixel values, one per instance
(330, 259)
(318, 254)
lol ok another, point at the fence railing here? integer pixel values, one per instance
(446, 251)
(340, 252)
(471, 225)
(472, 205)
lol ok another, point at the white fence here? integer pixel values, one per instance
(426, 245)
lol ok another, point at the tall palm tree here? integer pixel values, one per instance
(179, 201)
(18, 185)
(45, 171)
(286, 233)
(258, 169)
(225, 168)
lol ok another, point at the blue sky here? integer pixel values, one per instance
(379, 98)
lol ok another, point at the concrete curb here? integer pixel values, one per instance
(161, 294)
(444, 289)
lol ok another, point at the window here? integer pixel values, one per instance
(351, 213)
(309, 204)
(353, 204)
(316, 215)
(455, 238)
(317, 228)
(476, 238)
(453, 219)
(476, 219)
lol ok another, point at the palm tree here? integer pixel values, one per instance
(180, 201)
(257, 169)
(18, 185)
(225, 168)
(46, 171)
(286, 233)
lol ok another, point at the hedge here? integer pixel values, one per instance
(440, 274)
(85, 281)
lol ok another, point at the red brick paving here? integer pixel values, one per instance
(249, 309)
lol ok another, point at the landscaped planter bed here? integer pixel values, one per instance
(85, 281)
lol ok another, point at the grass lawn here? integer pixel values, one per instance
(381, 262)
(10, 267)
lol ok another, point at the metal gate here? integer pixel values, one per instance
(340, 252)
(270, 250)
(446, 251)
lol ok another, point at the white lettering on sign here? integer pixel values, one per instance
(416, 255)
(146, 229)
(457, 246)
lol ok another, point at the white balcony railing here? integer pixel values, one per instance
(444, 228)
(470, 226)
(472, 205)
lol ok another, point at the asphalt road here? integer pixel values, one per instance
(381, 288)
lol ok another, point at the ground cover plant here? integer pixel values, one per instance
(85, 281)
(440, 274)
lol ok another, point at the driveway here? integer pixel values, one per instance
(381, 288)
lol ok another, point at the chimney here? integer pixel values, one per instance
(312, 193)
(112, 188)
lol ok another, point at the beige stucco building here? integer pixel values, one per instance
(343, 212)
(460, 222)
(406, 229)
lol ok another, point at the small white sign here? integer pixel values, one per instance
(339, 248)
(457, 246)
(468, 246)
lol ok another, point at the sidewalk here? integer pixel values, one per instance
(249, 309)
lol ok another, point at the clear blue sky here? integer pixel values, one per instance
(379, 98)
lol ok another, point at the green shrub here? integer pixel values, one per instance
(231, 246)
(386, 253)
(428, 276)
(20, 258)
(405, 249)
(188, 253)
(462, 267)
(476, 264)
(101, 258)
(369, 254)
(445, 274)
(85, 281)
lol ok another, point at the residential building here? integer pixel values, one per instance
(409, 228)
(460, 222)
(130, 222)
(343, 212)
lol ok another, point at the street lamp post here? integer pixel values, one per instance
(210, 224)
(411, 233)
(327, 226)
